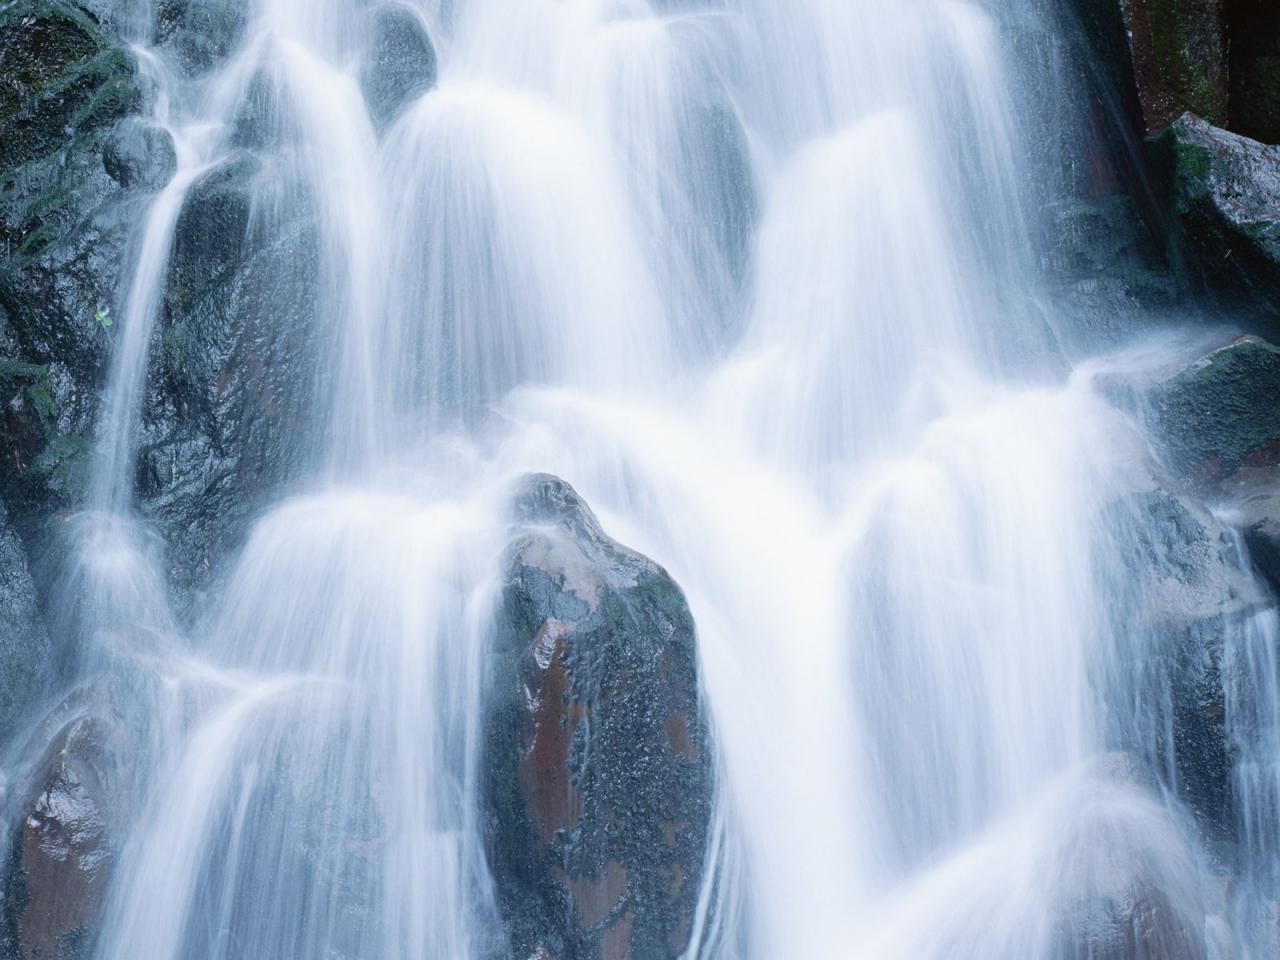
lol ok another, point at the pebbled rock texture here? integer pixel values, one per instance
(598, 760)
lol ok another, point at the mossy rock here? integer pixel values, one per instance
(1214, 418)
(1224, 197)
(65, 223)
(1179, 58)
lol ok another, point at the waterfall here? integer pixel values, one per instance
(756, 276)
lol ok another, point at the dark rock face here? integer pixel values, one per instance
(61, 853)
(140, 155)
(230, 380)
(1133, 922)
(65, 222)
(231, 384)
(200, 32)
(1215, 421)
(1190, 596)
(26, 655)
(1261, 524)
(1225, 197)
(1253, 36)
(598, 758)
(1108, 274)
(402, 64)
(1179, 59)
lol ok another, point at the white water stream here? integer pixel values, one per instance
(756, 277)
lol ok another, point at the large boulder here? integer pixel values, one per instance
(232, 380)
(598, 767)
(1224, 190)
(64, 842)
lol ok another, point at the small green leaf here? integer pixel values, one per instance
(104, 317)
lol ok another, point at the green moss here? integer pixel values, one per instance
(1182, 71)
(58, 462)
(1194, 161)
(42, 39)
(1193, 165)
(62, 75)
(1220, 413)
(64, 465)
(11, 370)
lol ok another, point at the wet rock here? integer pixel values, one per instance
(1258, 516)
(201, 33)
(401, 65)
(1215, 420)
(1126, 875)
(26, 655)
(140, 155)
(598, 761)
(1108, 274)
(1133, 922)
(1263, 537)
(64, 227)
(232, 377)
(1225, 193)
(60, 853)
(1179, 55)
(1190, 596)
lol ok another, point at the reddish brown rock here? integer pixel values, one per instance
(598, 765)
(60, 853)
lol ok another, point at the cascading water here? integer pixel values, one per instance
(754, 276)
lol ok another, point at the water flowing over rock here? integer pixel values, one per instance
(863, 317)
(1194, 599)
(598, 754)
(231, 385)
(201, 32)
(1261, 523)
(1213, 420)
(402, 65)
